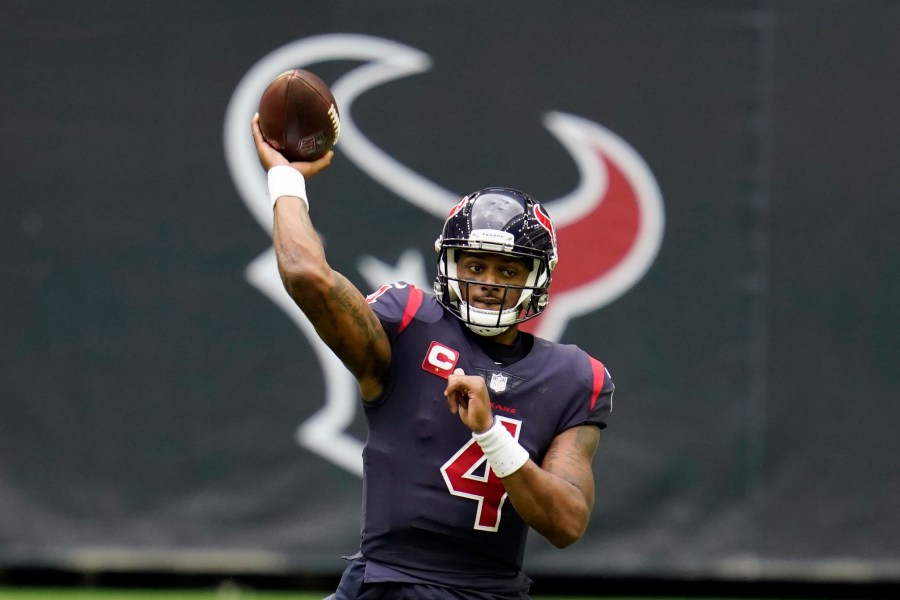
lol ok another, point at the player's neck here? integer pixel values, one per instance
(508, 337)
(506, 354)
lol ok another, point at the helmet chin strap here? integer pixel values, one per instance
(487, 323)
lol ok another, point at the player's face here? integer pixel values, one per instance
(488, 272)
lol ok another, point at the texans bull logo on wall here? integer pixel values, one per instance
(614, 216)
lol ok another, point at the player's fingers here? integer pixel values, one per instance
(268, 156)
(463, 413)
(454, 381)
(254, 128)
(452, 392)
(457, 392)
(458, 400)
(262, 147)
(310, 169)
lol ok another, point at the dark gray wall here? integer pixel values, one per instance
(150, 395)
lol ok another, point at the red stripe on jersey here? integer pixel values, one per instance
(412, 306)
(599, 376)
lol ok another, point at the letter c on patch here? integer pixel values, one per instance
(440, 360)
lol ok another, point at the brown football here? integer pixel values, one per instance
(298, 116)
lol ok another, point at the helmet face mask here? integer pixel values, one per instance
(497, 221)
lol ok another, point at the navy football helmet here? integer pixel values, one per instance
(499, 220)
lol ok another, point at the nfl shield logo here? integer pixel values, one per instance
(498, 382)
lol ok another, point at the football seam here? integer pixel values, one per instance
(332, 109)
(287, 96)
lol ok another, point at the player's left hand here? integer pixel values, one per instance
(468, 397)
(270, 157)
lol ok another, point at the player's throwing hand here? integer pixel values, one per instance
(468, 397)
(270, 157)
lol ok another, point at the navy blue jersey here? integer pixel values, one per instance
(433, 510)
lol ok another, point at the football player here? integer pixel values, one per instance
(477, 431)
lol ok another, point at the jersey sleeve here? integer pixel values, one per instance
(395, 305)
(601, 393)
(593, 403)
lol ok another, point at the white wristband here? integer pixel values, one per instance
(286, 181)
(501, 449)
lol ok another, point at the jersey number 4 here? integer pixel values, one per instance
(467, 475)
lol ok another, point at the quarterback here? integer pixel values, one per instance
(478, 431)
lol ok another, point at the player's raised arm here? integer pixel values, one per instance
(335, 307)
